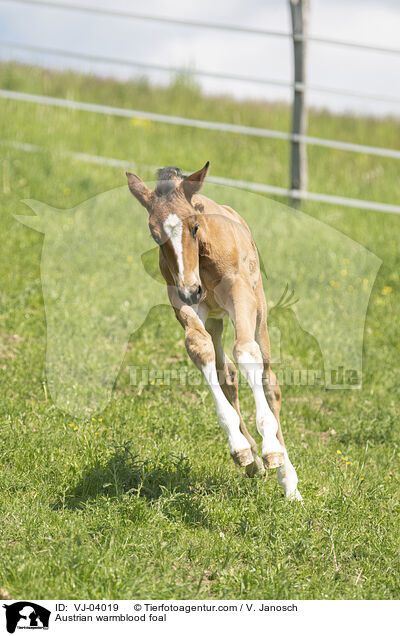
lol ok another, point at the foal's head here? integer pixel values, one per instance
(174, 224)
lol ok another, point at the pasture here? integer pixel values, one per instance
(143, 500)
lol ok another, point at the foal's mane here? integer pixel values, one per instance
(167, 180)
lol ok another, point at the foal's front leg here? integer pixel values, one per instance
(228, 379)
(201, 350)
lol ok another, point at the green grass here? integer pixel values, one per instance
(145, 501)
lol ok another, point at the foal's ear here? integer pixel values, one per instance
(192, 184)
(139, 190)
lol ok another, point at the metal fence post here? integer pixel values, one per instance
(300, 10)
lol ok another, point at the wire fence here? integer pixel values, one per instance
(298, 87)
(181, 70)
(197, 123)
(261, 188)
(205, 25)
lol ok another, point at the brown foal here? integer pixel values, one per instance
(210, 264)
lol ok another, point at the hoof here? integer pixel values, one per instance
(243, 457)
(273, 460)
(255, 468)
(294, 496)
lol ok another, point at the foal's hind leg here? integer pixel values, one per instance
(228, 379)
(247, 354)
(287, 475)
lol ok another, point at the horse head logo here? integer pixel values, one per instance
(26, 615)
(100, 279)
(96, 294)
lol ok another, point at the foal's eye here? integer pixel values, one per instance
(195, 228)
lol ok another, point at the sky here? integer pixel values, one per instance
(375, 22)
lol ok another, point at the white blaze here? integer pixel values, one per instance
(173, 229)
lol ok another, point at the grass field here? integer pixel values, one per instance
(143, 500)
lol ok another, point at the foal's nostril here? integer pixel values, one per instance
(190, 297)
(194, 298)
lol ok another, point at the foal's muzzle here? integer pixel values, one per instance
(190, 296)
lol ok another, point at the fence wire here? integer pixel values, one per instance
(208, 125)
(180, 70)
(261, 188)
(116, 13)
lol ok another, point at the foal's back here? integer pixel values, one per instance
(227, 249)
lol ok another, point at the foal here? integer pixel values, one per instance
(210, 264)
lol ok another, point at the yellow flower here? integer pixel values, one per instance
(333, 283)
(344, 272)
(76, 428)
(351, 473)
(100, 419)
(138, 122)
(386, 290)
(152, 382)
(361, 478)
(339, 452)
(129, 258)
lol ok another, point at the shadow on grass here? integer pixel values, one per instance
(167, 481)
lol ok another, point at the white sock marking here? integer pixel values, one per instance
(265, 419)
(227, 416)
(287, 478)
